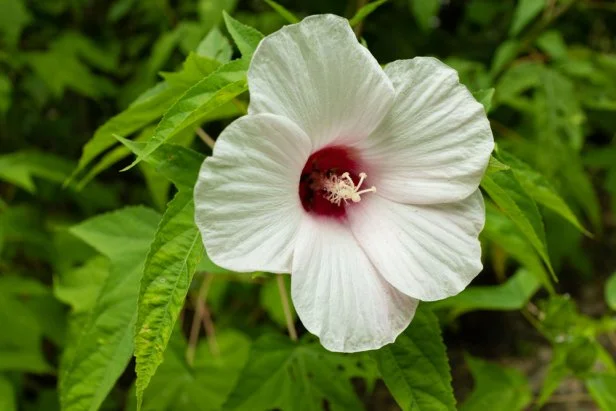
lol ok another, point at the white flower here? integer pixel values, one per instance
(360, 182)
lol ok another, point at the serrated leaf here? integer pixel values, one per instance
(245, 37)
(540, 189)
(415, 367)
(485, 98)
(212, 92)
(365, 11)
(510, 296)
(496, 388)
(105, 345)
(505, 190)
(602, 387)
(167, 275)
(610, 291)
(425, 11)
(281, 374)
(283, 12)
(524, 13)
(7, 395)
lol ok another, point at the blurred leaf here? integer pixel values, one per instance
(212, 92)
(485, 98)
(510, 296)
(496, 388)
(552, 43)
(556, 373)
(525, 12)
(6, 91)
(365, 11)
(269, 298)
(210, 12)
(602, 387)
(7, 395)
(14, 17)
(540, 189)
(504, 54)
(505, 190)
(415, 368)
(284, 13)
(610, 291)
(281, 374)
(204, 386)
(215, 46)
(494, 166)
(80, 286)
(425, 12)
(21, 167)
(194, 68)
(105, 344)
(245, 37)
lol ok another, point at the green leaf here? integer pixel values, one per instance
(215, 46)
(365, 11)
(80, 286)
(504, 54)
(283, 12)
(105, 345)
(269, 298)
(510, 296)
(540, 189)
(552, 43)
(212, 92)
(505, 190)
(485, 98)
(610, 291)
(204, 386)
(425, 11)
(21, 167)
(14, 17)
(7, 395)
(494, 166)
(281, 374)
(556, 373)
(167, 275)
(524, 13)
(496, 388)
(6, 91)
(415, 368)
(245, 37)
(602, 387)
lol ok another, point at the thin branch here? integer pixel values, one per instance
(205, 137)
(201, 312)
(286, 308)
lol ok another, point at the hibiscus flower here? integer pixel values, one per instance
(360, 182)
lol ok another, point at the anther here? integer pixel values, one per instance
(343, 188)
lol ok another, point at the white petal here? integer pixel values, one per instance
(338, 294)
(318, 75)
(427, 252)
(247, 204)
(434, 145)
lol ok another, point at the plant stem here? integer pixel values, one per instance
(286, 308)
(205, 137)
(202, 315)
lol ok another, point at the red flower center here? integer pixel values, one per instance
(330, 181)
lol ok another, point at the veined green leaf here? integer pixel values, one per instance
(284, 13)
(245, 37)
(415, 368)
(212, 92)
(496, 388)
(505, 190)
(105, 345)
(525, 12)
(365, 11)
(602, 387)
(281, 374)
(510, 296)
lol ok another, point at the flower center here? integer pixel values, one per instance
(331, 180)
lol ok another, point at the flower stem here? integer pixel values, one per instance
(205, 137)
(286, 308)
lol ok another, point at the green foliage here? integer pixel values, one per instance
(603, 390)
(425, 12)
(610, 291)
(245, 37)
(286, 14)
(416, 369)
(7, 395)
(365, 11)
(525, 12)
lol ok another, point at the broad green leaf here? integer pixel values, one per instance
(496, 388)
(365, 11)
(212, 92)
(540, 188)
(269, 298)
(245, 37)
(281, 374)
(505, 190)
(610, 291)
(524, 13)
(7, 395)
(167, 275)
(602, 387)
(80, 286)
(425, 12)
(204, 386)
(415, 367)
(284, 13)
(105, 344)
(510, 296)
(502, 232)
(14, 17)
(215, 46)
(195, 68)
(485, 98)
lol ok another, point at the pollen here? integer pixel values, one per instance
(342, 188)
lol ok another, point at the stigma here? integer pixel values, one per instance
(340, 189)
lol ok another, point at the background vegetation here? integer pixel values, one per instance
(85, 258)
